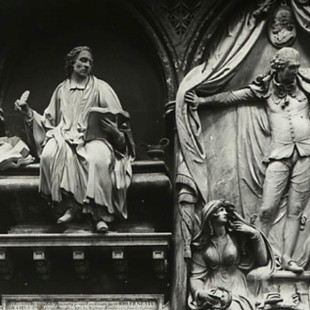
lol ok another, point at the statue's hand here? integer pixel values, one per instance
(110, 127)
(209, 296)
(23, 107)
(21, 104)
(244, 228)
(192, 99)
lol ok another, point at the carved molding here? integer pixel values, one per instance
(42, 264)
(81, 263)
(160, 263)
(120, 264)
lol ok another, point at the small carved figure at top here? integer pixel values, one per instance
(282, 31)
(84, 168)
(225, 250)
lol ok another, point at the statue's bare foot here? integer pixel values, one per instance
(101, 227)
(291, 265)
(67, 217)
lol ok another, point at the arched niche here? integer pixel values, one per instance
(129, 55)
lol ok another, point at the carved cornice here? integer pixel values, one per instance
(88, 240)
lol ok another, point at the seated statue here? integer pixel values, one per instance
(225, 251)
(90, 175)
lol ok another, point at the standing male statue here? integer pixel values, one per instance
(90, 176)
(285, 92)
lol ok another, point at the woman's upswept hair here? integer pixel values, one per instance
(72, 56)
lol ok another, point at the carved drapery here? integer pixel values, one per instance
(241, 132)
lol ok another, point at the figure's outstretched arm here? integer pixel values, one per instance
(21, 105)
(36, 124)
(229, 98)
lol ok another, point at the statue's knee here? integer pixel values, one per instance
(46, 158)
(99, 154)
(101, 160)
(295, 210)
(266, 214)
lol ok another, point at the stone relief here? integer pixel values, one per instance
(282, 30)
(226, 251)
(265, 123)
(73, 139)
(287, 159)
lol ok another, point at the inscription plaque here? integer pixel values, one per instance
(82, 302)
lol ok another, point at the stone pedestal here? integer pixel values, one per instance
(285, 290)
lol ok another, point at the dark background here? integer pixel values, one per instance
(36, 36)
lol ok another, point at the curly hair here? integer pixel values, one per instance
(72, 56)
(278, 63)
(282, 56)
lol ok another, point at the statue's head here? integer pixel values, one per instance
(286, 64)
(219, 299)
(215, 213)
(217, 210)
(80, 60)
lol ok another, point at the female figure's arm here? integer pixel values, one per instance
(198, 275)
(259, 246)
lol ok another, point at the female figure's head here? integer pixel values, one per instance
(214, 214)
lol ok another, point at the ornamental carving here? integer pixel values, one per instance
(180, 13)
(282, 29)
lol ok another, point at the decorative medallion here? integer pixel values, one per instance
(282, 29)
(180, 13)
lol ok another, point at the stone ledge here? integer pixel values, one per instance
(26, 182)
(283, 274)
(145, 173)
(139, 166)
(110, 239)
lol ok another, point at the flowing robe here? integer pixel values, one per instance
(95, 173)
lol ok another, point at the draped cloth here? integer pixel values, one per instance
(252, 132)
(225, 58)
(302, 14)
(93, 171)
